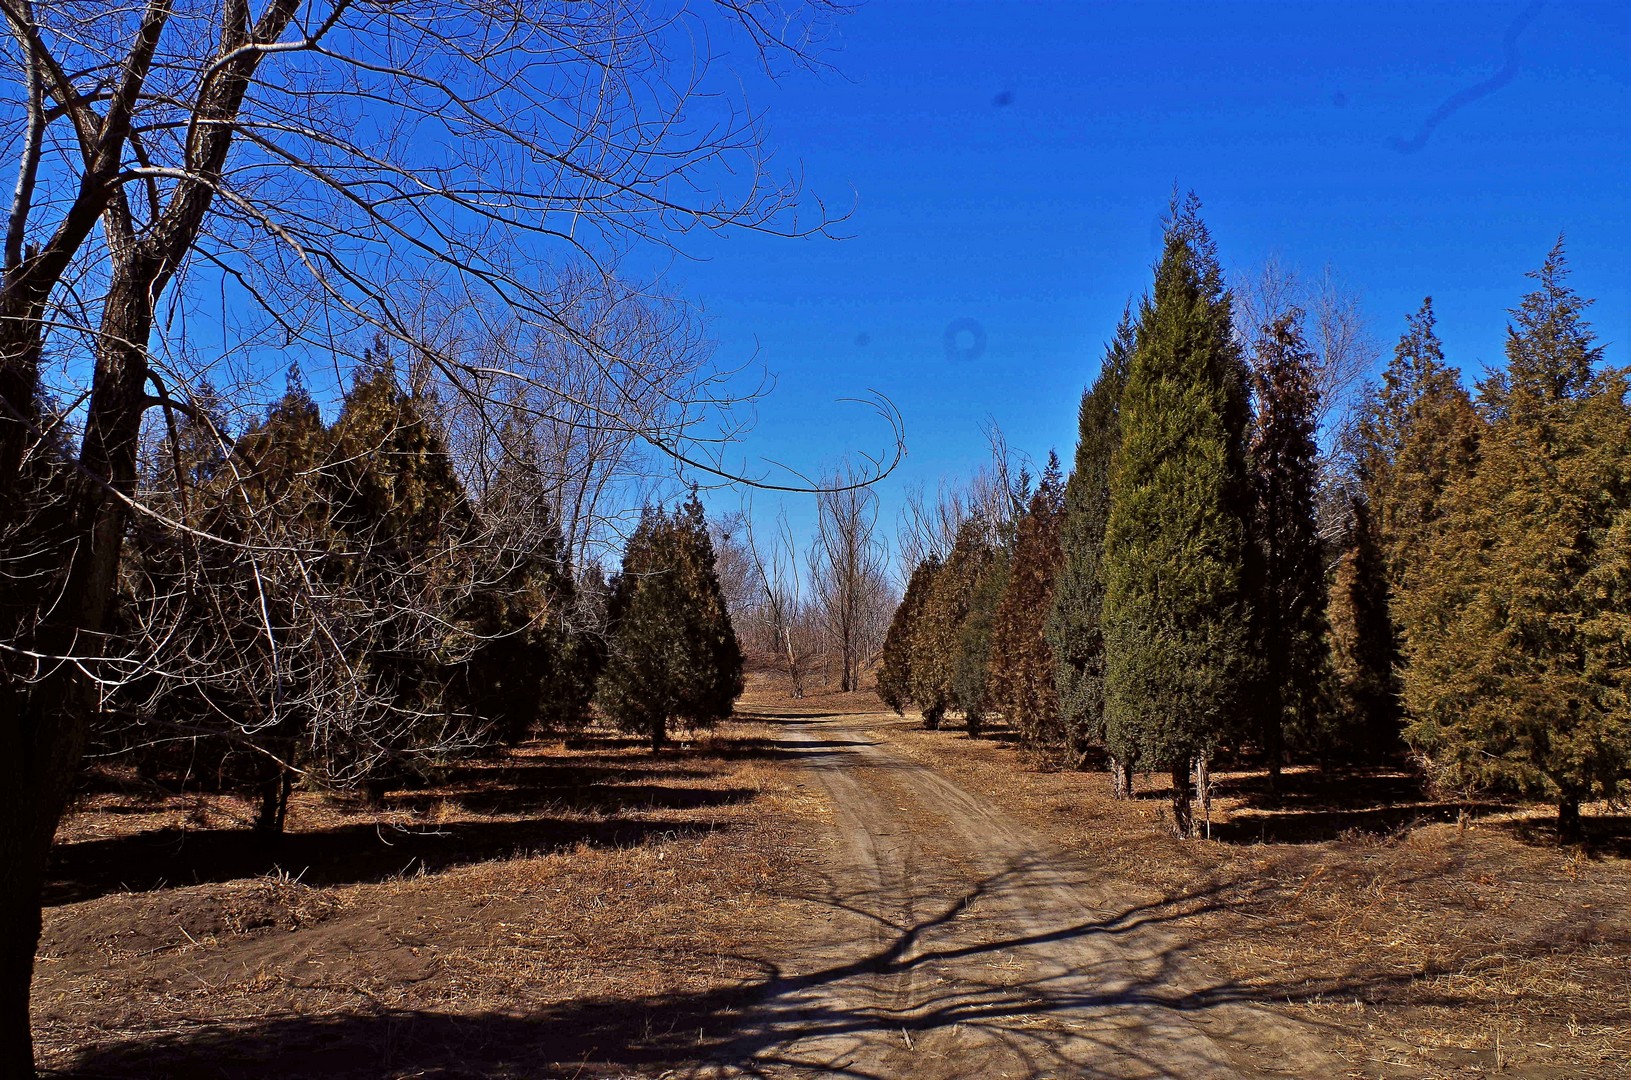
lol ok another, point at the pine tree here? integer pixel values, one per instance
(408, 528)
(1516, 626)
(937, 641)
(1291, 606)
(673, 655)
(1417, 435)
(1364, 649)
(1021, 668)
(1074, 629)
(1179, 575)
(525, 669)
(970, 687)
(895, 662)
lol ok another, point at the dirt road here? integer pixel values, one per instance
(948, 940)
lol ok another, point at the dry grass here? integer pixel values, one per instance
(542, 910)
(1429, 948)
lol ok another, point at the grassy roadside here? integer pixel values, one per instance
(566, 909)
(1427, 948)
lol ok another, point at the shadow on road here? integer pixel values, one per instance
(746, 1029)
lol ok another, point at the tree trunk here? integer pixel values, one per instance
(42, 742)
(1569, 829)
(1203, 790)
(274, 803)
(1275, 749)
(974, 722)
(40, 750)
(1183, 794)
(1121, 778)
(659, 733)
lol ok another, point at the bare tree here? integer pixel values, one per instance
(928, 528)
(734, 561)
(786, 630)
(848, 567)
(307, 160)
(1343, 347)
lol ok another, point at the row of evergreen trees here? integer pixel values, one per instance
(1455, 581)
(346, 609)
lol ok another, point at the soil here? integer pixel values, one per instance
(820, 888)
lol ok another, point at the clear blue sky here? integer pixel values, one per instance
(1008, 162)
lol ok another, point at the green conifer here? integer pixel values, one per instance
(1177, 618)
(937, 639)
(971, 670)
(895, 661)
(673, 656)
(1021, 672)
(1074, 628)
(1291, 605)
(1364, 650)
(1515, 626)
(1417, 435)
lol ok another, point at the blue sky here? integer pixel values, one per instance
(1007, 163)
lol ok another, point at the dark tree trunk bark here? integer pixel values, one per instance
(41, 746)
(1183, 796)
(274, 803)
(1569, 829)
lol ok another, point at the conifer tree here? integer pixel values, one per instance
(1417, 435)
(970, 686)
(407, 526)
(673, 656)
(223, 624)
(1179, 575)
(895, 662)
(1021, 668)
(1074, 628)
(527, 667)
(1364, 650)
(937, 638)
(1516, 626)
(1291, 606)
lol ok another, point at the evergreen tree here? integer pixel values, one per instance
(409, 531)
(1291, 606)
(673, 655)
(527, 665)
(1364, 650)
(895, 662)
(937, 639)
(1418, 434)
(1179, 574)
(1074, 628)
(1021, 671)
(1516, 626)
(970, 687)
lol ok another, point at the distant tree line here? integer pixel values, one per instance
(1450, 580)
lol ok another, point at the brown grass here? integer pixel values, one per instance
(544, 909)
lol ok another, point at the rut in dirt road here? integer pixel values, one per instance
(950, 941)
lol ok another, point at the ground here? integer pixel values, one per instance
(821, 887)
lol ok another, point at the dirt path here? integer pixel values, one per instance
(948, 940)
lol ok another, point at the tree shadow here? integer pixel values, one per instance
(600, 798)
(349, 854)
(1318, 826)
(779, 1020)
(1604, 836)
